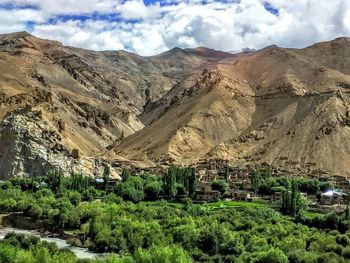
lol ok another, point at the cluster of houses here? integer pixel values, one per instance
(338, 196)
(239, 181)
(211, 170)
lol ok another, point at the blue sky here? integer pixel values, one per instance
(149, 27)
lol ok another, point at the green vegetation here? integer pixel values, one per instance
(180, 181)
(220, 185)
(17, 248)
(293, 202)
(267, 185)
(256, 178)
(118, 219)
(237, 204)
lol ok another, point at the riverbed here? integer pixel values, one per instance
(61, 243)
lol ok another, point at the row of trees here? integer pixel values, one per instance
(264, 183)
(180, 178)
(293, 202)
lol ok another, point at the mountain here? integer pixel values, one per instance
(76, 110)
(65, 107)
(287, 107)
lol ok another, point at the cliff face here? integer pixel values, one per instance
(25, 144)
(32, 144)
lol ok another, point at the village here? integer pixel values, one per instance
(240, 186)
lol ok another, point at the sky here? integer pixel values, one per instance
(149, 27)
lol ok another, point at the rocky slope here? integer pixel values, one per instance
(58, 101)
(286, 107)
(77, 109)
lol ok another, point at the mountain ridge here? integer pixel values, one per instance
(286, 107)
(297, 82)
(95, 96)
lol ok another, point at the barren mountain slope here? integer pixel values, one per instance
(286, 107)
(83, 100)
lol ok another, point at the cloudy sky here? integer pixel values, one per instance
(149, 27)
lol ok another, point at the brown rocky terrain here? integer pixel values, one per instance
(78, 109)
(286, 107)
(65, 107)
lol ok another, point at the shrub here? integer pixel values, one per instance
(35, 212)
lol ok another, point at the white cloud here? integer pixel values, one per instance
(65, 7)
(81, 34)
(15, 20)
(227, 25)
(136, 9)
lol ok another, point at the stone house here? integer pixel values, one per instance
(340, 182)
(332, 197)
(277, 196)
(207, 196)
(204, 186)
(242, 195)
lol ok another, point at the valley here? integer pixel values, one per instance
(141, 159)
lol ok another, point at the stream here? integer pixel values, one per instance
(61, 243)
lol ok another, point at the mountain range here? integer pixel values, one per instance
(75, 109)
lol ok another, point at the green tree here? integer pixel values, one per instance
(192, 183)
(54, 179)
(25, 257)
(255, 179)
(226, 173)
(267, 172)
(285, 204)
(162, 254)
(220, 185)
(180, 189)
(271, 256)
(7, 253)
(170, 182)
(125, 174)
(106, 174)
(35, 212)
(294, 199)
(152, 189)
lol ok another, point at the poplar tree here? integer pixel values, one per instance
(255, 179)
(192, 182)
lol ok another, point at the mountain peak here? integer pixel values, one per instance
(342, 39)
(15, 35)
(175, 50)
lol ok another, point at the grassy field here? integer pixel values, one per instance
(312, 214)
(226, 204)
(239, 204)
(254, 204)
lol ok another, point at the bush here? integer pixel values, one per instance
(75, 242)
(346, 252)
(35, 212)
(180, 189)
(168, 254)
(343, 240)
(153, 189)
(220, 185)
(271, 256)
(8, 205)
(7, 253)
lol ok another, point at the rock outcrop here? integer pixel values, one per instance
(31, 145)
